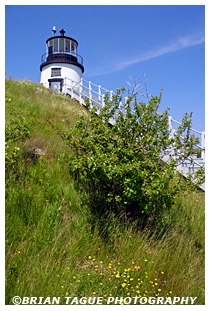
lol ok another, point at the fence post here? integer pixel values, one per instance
(103, 102)
(80, 91)
(99, 92)
(203, 145)
(90, 93)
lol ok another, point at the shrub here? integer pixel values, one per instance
(121, 166)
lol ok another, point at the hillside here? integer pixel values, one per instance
(53, 246)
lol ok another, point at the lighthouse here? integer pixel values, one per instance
(61, 62)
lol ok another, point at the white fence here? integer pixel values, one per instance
(95, 93)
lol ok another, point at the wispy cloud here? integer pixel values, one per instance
(179, 44)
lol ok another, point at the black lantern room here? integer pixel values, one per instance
(61, 49)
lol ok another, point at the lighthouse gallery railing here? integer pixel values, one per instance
(59, 55)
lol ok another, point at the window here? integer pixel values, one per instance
(56, 48)
(73, 46)
(61, 45)
(55, 72)
(67, 45)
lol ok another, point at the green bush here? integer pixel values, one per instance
(121, 166)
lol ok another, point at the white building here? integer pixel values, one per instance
(61, 62)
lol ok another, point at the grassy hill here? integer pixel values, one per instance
(52, 246)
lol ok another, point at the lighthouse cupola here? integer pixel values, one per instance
(60, 62)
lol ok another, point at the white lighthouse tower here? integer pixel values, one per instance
(61, 62)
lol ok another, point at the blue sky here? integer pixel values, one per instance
(164, 43)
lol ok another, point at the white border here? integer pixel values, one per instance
(3, 3)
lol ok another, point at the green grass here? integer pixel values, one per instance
(53, 247)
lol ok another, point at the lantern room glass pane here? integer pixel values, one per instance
(61, 45)
(56, 47)
(67, 45)
(73, 47)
